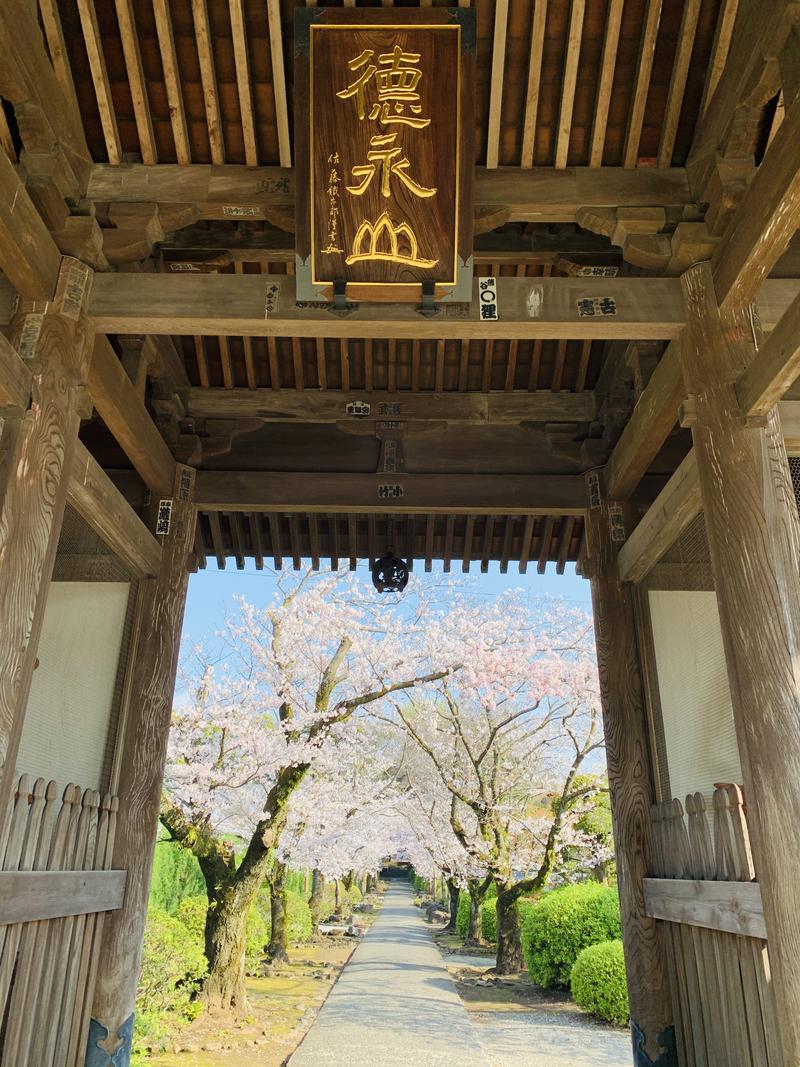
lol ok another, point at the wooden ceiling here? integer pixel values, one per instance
(613, 83)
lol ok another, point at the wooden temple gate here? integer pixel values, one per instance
(605, 377)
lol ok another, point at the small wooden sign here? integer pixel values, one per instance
(384, 157)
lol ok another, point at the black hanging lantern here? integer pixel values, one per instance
(389, 574)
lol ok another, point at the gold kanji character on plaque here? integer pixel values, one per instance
(383, 155)
(386, 241)
(397, 87)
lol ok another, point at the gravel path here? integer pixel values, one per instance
(394, 1004)
(539, 1039)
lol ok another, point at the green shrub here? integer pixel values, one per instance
(561, 924)
(598, 982)
(354, 895)
(173, 966)
(489, 918)
(298, 918)
(192, 913)
(176, 876)
(462, 915)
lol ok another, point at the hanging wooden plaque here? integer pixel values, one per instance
(384, 152)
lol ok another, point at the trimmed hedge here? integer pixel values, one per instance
(598, 982)
(564, 922)
(462, 915)
(489, 919)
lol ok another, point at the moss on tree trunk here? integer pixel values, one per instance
(509, 942)
(278, 948)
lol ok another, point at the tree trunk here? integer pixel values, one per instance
(509, 943)
(315, 903)
(475, 938)
(226, 933)
(347, 881)
(336, 883)
(278, 947)
(452, 890)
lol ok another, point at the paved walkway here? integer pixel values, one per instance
(394, 1004)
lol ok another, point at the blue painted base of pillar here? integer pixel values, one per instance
(666, 1041)
(98, 1057)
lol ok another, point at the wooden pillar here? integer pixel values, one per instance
(37, 446)
(143, 756)
(630, 782)
(754, 537)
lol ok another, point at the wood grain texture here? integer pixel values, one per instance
(754, 537)
(732, 907)
(29, 257)
(30, 896)
(144, 755)
(101, 505)
(15, 377)
(774, 368)
(630, 783)
(674, 508)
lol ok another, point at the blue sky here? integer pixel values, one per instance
(211, 591)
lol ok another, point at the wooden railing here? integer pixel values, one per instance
(706, 895)
(55, 886)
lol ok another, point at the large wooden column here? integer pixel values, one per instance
(630, 785)
(143, 757)
(754, 536)
(36, 449)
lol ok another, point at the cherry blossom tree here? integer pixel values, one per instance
(507, 735)
(250, 729)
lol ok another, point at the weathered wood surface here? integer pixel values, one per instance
(774, 368)
(33, 489)
(29, 257)
(514, 494)
(95, 497)
(123, 411)
(731, 907)
(30, 896)
(754, 536)
(309, 406)
(15, 377)
(674, 508)
(630, 785)
(536, 194)
(142, 763)
(528, 307)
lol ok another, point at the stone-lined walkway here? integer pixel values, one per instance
(394, 1004)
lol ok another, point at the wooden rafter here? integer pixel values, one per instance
(647, 48)
(496, 90)
(719, 50)
(608, 66)
(243, 81)
(126, 20)
(774, 368)
(279, 83)
(570, 81)
(102, 84)
(677, 85)
(534, 82)
(172, 80)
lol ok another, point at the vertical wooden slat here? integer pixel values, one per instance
(411, 526)
(297, 363)
(208, 78)
(237, 541)
(244, 85)
(313, 539)
(344, 363)
(392, 366)
(558, 366)
(275, 538)
(272, 358)
(505, 552)
(333, 538)
(544, 548)
(583, 366)
(564, 540)
(429, 532)
(368, 368)
(488, 359)
(439, 373)
(642, 84)
(172, 80)
(463, 365)
(448, 542)
(511, 365)
(536, 360)
(415, 358)
(469, 531)
(496, 90)
(217, 542)
(102, 85)
(534, 82)
(136, 80)
(570, 81)
(352, 541)
(608, 66)
(294, 541)
(202, 362)
(279, 83)
(225, 360)
(322, 366)
(254, 520)
(527, 541)
(373, 551)
(488, 541)
(677, 84)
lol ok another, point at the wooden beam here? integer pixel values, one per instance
(753, 530)
(765, 221)
(95, 497)
(653, 418)
(279, 82)
(456, 494)
(536, 194)
(231, 304)
(126, 20)
(731, 907)
(243, 82)
(31, 896)
(789, 413)
(57, 48)
(535, 55)
(29, 257)
(677, 84)
(325, 406)
(208, 77)
(608, 69)
(775, 366)
(677, 505)
(121, 409)
(102, 85)
(496, 88)
(172, 81)
(630, 785)
(569, 82)
(641, 88)
(719, 50)
(15, 377)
